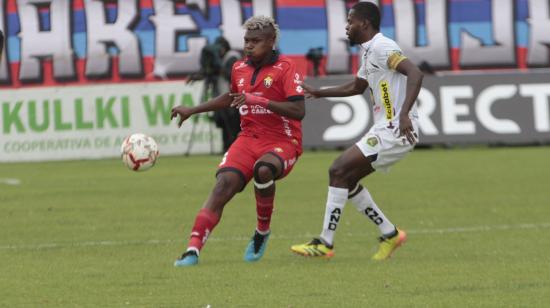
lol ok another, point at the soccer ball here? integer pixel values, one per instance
(139, 152)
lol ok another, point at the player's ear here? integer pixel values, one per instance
(366, 23)
(271, 40)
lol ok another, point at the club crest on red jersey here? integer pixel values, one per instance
(268, 81)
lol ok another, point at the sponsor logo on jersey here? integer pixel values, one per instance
(278, 66)
(268, 81)
(241, 82)
(243, 110)
(278, 150)
(386, 99)
(243, 64)
(254, 109)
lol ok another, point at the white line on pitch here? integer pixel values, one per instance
(10, 181)
(276, 237)
(482, 228)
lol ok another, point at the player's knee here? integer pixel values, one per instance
(264, 172)
(337, 171)
(264, 175)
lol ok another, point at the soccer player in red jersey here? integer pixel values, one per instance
(266, 88)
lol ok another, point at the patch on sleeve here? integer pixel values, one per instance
(372, 141)
(395, 58)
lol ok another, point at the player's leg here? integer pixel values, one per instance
(391, 236)
(233, 174)
(361, 198)
(266, 170)
(389, 149)
(227, 185)
(348, 168)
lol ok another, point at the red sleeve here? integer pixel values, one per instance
(292, 83)
(233, 86)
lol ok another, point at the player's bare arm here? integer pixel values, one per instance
(354, 87)
(220, 102)
(414, 82)
(294, 110)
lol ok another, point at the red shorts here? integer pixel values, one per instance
(246, 150)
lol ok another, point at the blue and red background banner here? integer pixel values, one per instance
(168, 35)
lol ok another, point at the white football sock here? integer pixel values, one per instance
(336, 200)
(361, 198)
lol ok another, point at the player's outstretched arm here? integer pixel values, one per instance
(295, 110)
(354, 87)
(414, 83)
(220, 102)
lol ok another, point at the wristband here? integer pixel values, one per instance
(257, 100)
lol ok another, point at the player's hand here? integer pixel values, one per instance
(183, 112)
(309, 91)
(406, 129)
(239, 99)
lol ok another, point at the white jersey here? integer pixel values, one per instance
(379, 60)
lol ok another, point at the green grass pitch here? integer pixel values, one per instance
(94, 234)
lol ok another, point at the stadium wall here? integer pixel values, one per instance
(90, 122)
(58, 123)
(488, 108)
(74, 42)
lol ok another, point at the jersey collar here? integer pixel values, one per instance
(274, 58)
(366, 45)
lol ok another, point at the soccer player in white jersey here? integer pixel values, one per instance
(393, 82)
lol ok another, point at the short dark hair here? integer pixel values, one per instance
(221, 41)
(368, 11)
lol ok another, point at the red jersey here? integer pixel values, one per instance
(277, 81)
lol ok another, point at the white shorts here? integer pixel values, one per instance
(386, 144)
